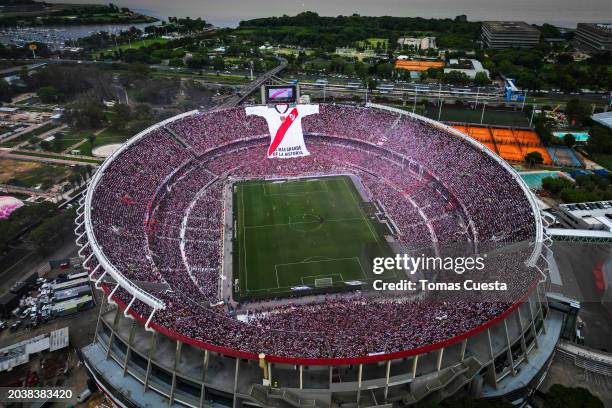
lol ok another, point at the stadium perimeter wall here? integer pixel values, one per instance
(528, 315)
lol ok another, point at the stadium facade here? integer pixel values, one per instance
(146, 353)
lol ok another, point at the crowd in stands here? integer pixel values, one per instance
(158, 216)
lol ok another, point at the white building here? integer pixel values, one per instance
(470, 72)
(588, 216)
(425, 43)
(19, 353)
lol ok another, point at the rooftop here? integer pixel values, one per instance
(510, 26)
(604, 118)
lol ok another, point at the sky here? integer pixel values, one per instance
(229, 12)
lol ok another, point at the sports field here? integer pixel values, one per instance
(290, 234)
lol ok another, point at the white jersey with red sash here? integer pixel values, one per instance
(286, 136)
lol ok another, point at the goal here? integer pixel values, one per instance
(323, 282)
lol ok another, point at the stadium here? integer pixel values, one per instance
(236, 279)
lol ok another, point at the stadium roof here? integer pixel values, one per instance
(604, 119)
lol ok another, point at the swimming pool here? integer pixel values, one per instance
(580, 136)
(534, 178)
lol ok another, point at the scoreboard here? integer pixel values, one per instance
(274, 94)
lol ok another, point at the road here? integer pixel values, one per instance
(253, 86)
(29, 129)
(18, 68)
(399, 90)
(49, 160)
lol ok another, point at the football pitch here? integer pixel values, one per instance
(302, 236)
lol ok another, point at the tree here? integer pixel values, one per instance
(349, 70)
(219, 63)
(176, 62)
(5, 91)
(467, 403)
(569, 140)
(42, 235)
(158, 91)
(542, 130)
(52, 231)
(533, 158)
(121, 116)
(529, 81)
(85, 113)
(198, 61)
(577, 110)
(456, 78)
(559, 396)
(565, 59)
(481, 79)
(554, 185)
(600, 140)
(48, 94)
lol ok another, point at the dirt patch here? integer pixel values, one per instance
(106, 150)
(10, 169)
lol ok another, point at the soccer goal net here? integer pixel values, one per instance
(323, 282)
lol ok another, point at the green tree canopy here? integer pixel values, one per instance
(569, 140)
(533, 158)
(560, 396)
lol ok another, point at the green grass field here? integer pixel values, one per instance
(373, 42)
(491, 117)
(604, 160)
(290, 233)
(134, 45)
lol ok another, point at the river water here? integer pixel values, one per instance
(564, 13)
(228, 13)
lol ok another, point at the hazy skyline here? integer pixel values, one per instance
(229, 12)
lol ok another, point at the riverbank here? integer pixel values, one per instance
(40, 14)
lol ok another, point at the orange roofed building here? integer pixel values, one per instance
(418, 65)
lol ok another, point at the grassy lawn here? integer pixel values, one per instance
(501, 118)
(604, 160)
(221, 78)
(293, 51)
(32, 174)
(66, 139)
(136, 44)
(107, 137)
(291, 233)
(372, 42)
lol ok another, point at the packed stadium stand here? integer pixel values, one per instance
(151, 230)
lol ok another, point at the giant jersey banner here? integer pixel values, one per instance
(285, 124)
